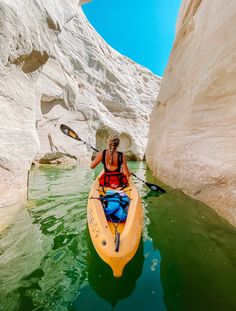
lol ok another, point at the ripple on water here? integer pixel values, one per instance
(186, 260)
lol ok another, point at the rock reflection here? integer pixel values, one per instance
(186, 260)
(198, 255)
(21, 252)
(43, 253)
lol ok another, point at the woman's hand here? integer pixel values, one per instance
(125, 167)
(97, 160)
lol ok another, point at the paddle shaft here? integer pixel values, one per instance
(69, 132)
(138, 177)
(91, 147)
(84, 142)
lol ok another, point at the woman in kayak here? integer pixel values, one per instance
(113, 161)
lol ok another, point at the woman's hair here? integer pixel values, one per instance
(112, 143)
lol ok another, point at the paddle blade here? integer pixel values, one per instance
(155, 187)
(151, 186)
(69, 132)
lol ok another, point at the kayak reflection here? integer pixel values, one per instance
(101, 278)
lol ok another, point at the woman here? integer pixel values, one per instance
(113, 160)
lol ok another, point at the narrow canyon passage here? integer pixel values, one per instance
(161, 76)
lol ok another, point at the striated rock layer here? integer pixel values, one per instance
(192, 143)
(56, 69)
(96, 91)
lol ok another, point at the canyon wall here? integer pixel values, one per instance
(96, 91)
(192, 143)
(26, 39)
(55, 68)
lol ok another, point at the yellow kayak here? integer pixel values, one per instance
(115, 243)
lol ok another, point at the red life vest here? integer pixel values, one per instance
(113, 180)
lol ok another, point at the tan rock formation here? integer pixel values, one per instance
(192, 143)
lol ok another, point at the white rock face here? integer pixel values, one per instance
(96, 91)
(192, 143)
(56, 69)
(26, 41)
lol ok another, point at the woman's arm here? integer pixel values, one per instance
(125, 167)
(97, 160)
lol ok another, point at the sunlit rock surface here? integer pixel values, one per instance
(192, 143)
(56, 69)
(96, 91)
(28, 31)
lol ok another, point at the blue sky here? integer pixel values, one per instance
(142, 30)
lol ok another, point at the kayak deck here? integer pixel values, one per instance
(103, 231)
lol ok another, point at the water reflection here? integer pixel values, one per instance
(47, 264)
(186, 259)
(198, 267)
(101, 278)
(21, 252)
(139, 288)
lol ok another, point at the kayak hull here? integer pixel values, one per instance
(102, 231)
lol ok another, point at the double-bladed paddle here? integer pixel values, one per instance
(69, 132)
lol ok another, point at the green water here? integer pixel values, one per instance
(186, 260)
